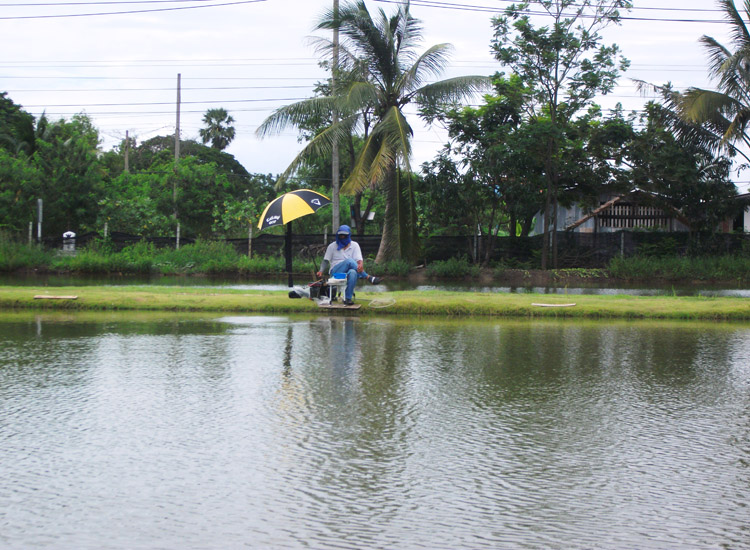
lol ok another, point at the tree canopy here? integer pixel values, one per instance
(396, 75)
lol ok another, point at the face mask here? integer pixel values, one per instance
(342, 240)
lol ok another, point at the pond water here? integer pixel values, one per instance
(123, 431)
(281, 283)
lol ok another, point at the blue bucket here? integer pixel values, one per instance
(339, 275)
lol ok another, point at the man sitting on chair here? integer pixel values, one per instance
(345, 256)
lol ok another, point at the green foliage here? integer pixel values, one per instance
(233, 217)
(453, 268)
(16, 128)
(705, 268)
(18, 180)
(683, 176)
(200, 257)
(380, 51)
(663, 247)
(131, 204)
(564, 65)
(14, 255)
(717, 119)
(93, 261)
(492, 168)
(260, 265)
(397, 268)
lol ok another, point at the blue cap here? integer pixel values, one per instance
(344, 229)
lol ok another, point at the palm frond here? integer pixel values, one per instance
(431, 63)
(699, 105)
(359, 177)
(357, 97)
(320, 145)
(388, 143)
(718, 56)
(452, 90)
(738, 30)
(397, 133)
(737, 128)
(296, 114)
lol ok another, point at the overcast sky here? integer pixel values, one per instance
(118, 60)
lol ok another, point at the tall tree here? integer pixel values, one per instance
(397, 75)
(16, 127)
(489, 167)
(721, 115)
(565, 65)
(67, 157)
(681, 175)
(219, 130)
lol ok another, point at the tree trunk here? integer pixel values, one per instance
(390, 248)
(554, 227)
(545, 239)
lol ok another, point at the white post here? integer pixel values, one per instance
(178, 237)
(39, 209)
(106, 229)
(31, 231)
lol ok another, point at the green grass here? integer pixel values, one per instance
(462, 304)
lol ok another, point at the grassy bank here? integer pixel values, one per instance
(134, 298)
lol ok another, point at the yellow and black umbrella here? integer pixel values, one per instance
(291, 206)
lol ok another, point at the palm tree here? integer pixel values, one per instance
(722, 114)
(219, 130)
(396, 75)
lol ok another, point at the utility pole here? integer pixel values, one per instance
(176, 149)
(177, 127)
(335, 151)
(127, 151)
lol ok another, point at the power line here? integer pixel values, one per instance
(130, 12)
(157, 89)
(171, 102)
(475, 8)
(55, 77)
(111, 2)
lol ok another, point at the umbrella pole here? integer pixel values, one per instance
(288, 252)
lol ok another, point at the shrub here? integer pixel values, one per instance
(397, 268)
(14, 255)
(678, 267)
(453, 268)
(199, 257)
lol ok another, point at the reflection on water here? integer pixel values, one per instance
(333, 432)
(390, 285)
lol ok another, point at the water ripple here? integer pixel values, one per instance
(340, 433)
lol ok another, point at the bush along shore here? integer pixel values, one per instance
(221, 259)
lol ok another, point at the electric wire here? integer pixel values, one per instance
(476, 8)
(130, 12)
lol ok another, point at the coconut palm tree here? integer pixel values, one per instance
(396, 76)
(722, 114)
(219, 130)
